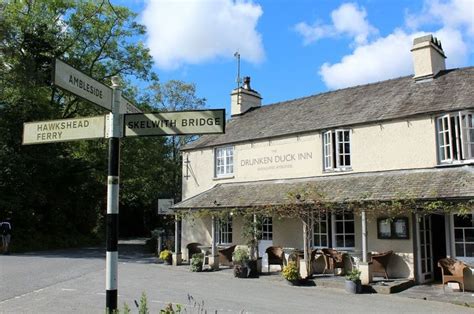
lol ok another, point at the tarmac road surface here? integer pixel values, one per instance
(73, 281)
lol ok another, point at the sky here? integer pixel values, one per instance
(293, 49)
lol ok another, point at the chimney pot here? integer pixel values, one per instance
(244, 98)
(247, 83)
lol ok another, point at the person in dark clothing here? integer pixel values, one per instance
(6, 231)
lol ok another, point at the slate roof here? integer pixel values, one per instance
(422, 184)
(392, 99)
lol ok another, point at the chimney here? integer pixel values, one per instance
(428, 57)
(244, 98)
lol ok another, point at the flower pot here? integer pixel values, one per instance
(353, 287)
(240, 271)
(252, 269)
(295, 282)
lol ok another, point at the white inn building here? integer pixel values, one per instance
(410, 138)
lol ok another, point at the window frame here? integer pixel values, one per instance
(266, 229)
(464, 242)
(334, 232)
(317, 220)
(453, 137)
(332, 153)
(225, 164)
(224, 230)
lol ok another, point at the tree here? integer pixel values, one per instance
(176, 95)
(57, 191)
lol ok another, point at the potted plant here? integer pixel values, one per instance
(291, 273)
(251, 232)
(196, 262)
(240, 258)
(353, 284)
(166, 256)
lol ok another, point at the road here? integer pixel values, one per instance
(73, 281)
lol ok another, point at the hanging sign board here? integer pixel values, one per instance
(63, 130)
(175, 123)
(164, 206)
(80, 84)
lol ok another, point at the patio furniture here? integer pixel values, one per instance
(379, 262)
(193, 249)
(206, 251)
(276, 256)
(333, 260)
(225, 255)
(452, 270)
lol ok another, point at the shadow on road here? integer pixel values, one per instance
(129, 251)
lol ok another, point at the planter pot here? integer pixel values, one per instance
(259, 265)
(295, 282)
(253, 269)
(240, 271)
(353, 286)
(168, 261)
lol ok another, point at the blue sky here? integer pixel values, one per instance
(297, 48)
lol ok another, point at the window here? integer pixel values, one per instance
(224, 161)
(337, 150)
(464, 235)
(267, 228)
(320, 230)
(343, 226)
(225, 230)
(455, 137)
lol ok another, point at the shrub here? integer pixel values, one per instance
(353, 275)
(196, 262)
(240, 256)
(290, 271)
(165, 255)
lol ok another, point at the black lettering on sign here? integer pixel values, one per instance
(85, 86)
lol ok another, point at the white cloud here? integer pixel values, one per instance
(348, 19)
(385, 57)
(191, 32)
(390, 56)
(452, 14)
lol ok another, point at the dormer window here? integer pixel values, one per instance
(224, 161)
(455, 137)
(337, 150)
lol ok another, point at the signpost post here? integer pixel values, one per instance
(135, 124)
(113, 188)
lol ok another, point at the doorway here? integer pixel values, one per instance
(439, 242)
(431, 246)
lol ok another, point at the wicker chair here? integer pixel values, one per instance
(225, 255)
(332, 259)
(452, 270)
(193, 249)
(276, 256)
(379, 262)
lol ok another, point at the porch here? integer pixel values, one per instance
(330, 221)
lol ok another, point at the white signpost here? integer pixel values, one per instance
(164, 206)
(136, 124)
(174, 123)
(63, 130)
(80, 84)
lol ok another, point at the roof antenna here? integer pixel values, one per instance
(239, 81)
